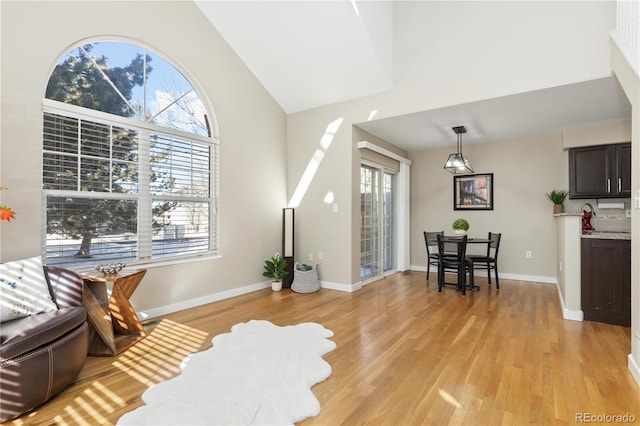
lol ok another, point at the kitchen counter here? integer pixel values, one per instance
(608, 235)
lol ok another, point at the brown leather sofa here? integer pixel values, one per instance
(43, 353)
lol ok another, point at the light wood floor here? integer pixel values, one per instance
(405, 355)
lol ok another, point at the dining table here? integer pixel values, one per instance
(470, 240)
(452, 239)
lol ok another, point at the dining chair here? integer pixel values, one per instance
(431, 242)
(490, 261)
(452, 257)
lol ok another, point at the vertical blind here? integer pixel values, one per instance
(118, 193)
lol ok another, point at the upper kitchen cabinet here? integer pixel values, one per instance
(600, 171)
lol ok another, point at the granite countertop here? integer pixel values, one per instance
(608, 235)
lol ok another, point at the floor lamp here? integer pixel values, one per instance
(287, 244)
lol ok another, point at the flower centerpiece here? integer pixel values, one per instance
(275, 268)
(5, 212)
(460, 226)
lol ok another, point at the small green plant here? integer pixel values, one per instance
(557, 196)
(274, 268)
(460, 224)
(304, 267)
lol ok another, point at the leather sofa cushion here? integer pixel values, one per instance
(26, 334)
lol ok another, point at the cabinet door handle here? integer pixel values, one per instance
(608, 185)
(619, 184)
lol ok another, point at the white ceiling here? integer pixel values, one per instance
(508, 117)
(310, 54)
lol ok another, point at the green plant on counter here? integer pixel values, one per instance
(460, 224)
(557, 196)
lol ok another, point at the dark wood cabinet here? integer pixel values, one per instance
(623, 155)
(606, 281)
(600, 171)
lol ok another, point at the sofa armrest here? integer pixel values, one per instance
(66, 286)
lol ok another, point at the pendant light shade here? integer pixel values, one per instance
(458, 163)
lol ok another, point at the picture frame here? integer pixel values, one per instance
(473, 192)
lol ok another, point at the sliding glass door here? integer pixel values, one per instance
(377, 222)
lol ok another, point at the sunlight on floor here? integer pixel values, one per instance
(449, 398)
(152, 360)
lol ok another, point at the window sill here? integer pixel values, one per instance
(141, 264)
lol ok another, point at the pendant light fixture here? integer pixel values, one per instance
(458, 163)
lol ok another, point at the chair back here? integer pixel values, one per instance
(431, 240)
(452, 249)
(493, 245)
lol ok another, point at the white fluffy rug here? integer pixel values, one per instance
(257, 374)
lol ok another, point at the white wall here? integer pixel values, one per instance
(449, 53)
(630, 82)
(444, 53)
(595, 134)
(523, 172)
(252, 132)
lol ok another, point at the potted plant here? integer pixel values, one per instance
(557, 197)
(274, 268)
(460, 226)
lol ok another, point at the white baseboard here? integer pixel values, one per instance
(569, 314)
(507, 276)
(634, 368)
(349, 288)
(192, 303)
(634, 364)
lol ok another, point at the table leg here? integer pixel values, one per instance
(124, 317)
(101, 338)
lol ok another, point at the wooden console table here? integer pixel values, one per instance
(113, 323)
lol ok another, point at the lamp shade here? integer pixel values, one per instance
(458, 163)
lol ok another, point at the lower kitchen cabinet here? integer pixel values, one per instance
(606, 280)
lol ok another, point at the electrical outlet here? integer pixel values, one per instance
(529, 254)
(320, 255)
(310, 257)
(627, 213)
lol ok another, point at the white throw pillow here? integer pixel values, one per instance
(23, 289)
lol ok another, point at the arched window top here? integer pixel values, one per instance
(129, 81)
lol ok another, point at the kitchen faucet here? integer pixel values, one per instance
(590, 206)
(587, 228)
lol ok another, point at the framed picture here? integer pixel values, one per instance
(473, 192)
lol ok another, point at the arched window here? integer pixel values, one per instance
(129, 160)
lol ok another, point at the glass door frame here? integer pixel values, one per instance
(382, 245)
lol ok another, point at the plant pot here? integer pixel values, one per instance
(558, 208)
(276, 285)
(459, 231)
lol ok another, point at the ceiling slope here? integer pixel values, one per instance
(310, 54)
(507, 117)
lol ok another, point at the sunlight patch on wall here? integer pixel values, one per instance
(312, 167)
(355, 7)
(329, 197)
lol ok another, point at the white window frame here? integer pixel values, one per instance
(143, 196)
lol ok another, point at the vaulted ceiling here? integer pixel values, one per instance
(309, 54)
